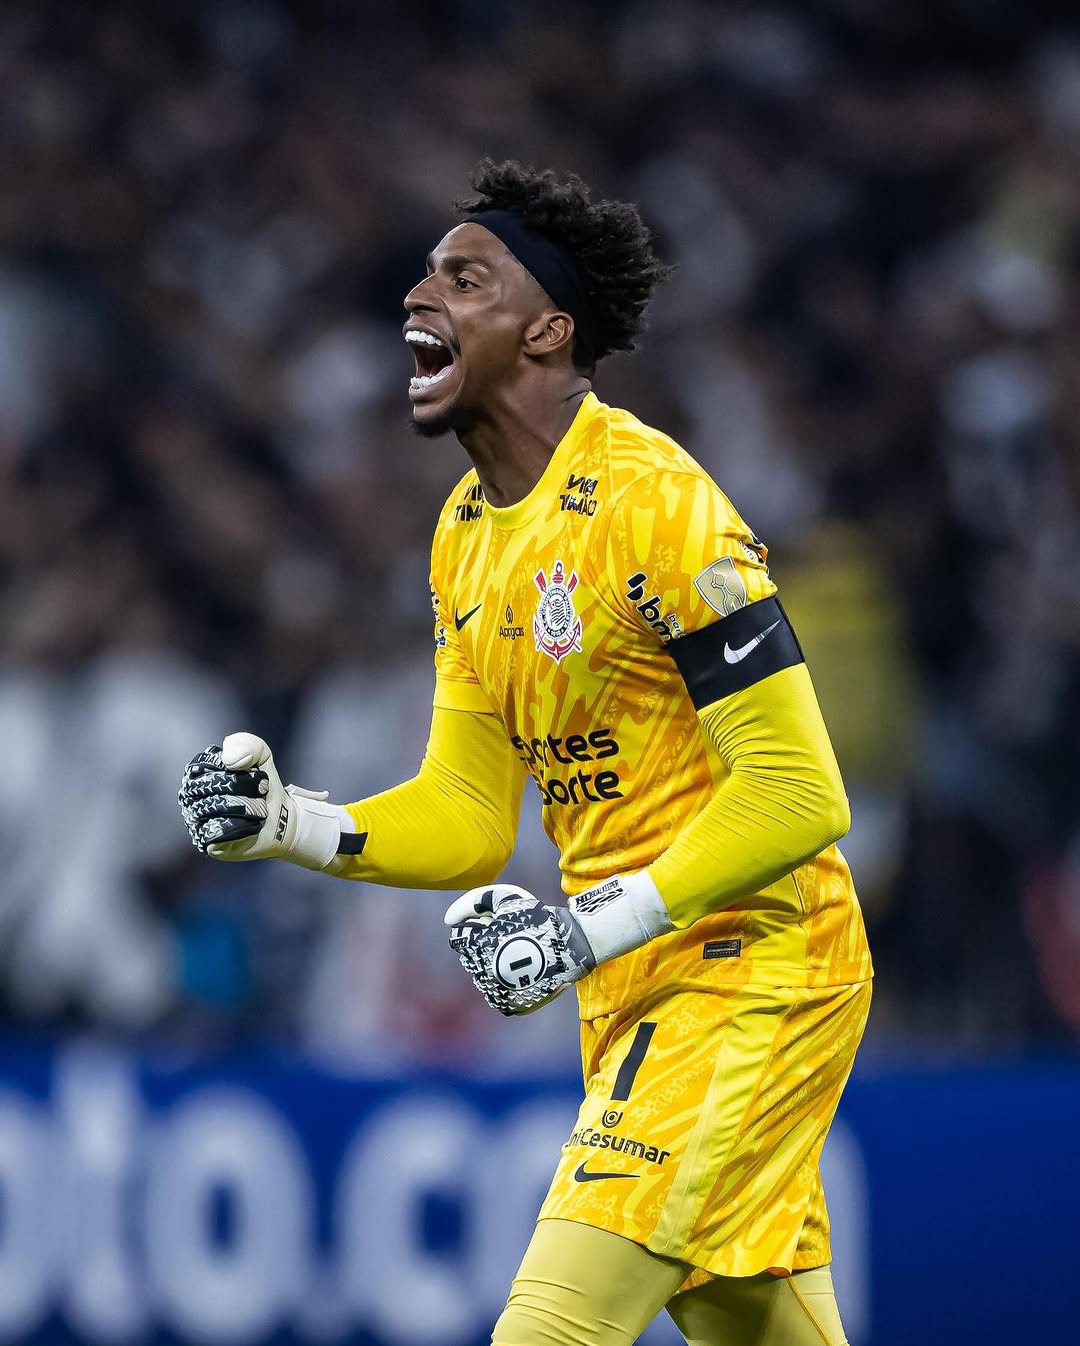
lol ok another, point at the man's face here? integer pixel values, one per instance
(465, 327)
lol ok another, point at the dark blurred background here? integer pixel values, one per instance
(214, 514)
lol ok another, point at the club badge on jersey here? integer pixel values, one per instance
(556, 626)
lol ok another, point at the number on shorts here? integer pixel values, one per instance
(624, 1081)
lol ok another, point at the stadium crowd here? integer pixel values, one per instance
(214, 514)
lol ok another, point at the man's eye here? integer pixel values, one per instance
(463, 283)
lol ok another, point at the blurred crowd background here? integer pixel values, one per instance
(214, 515)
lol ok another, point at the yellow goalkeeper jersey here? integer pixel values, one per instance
(563, 615)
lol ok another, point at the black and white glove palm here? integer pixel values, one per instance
(236, 808)
(521, 953)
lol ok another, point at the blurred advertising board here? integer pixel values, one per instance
(257, 1199)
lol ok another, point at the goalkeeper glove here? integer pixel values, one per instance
(521, 953)
(236, 808)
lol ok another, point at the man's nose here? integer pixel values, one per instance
(418, 296)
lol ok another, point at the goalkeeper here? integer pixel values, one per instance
(605, 624)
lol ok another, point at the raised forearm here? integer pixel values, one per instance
(782, 803)
(453, 825)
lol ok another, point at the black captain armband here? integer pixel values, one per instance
(732, 654)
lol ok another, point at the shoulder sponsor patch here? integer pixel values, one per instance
(722, 587)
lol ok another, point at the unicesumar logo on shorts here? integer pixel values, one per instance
(556, 626)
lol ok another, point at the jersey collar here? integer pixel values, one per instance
(546, 489)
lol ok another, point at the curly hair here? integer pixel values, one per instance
(608, 240)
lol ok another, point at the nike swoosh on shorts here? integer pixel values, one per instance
(582, 1174)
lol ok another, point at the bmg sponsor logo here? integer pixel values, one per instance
(667, 628)
(583, 786)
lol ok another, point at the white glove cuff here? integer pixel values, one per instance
(621, 914)
(319, 826)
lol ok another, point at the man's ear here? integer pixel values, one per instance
(549, 334)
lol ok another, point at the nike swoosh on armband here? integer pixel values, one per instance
(737, 656)
(459, 622)
(714, 660)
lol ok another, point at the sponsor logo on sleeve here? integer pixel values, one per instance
(722, 587)
(753, 548)
(556, 626)
(666, 627)
(440, 629)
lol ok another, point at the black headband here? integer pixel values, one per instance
(551, 266)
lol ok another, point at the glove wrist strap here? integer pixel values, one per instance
(621, 914)
(319, 826)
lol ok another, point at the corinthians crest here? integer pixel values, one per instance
(556, 626)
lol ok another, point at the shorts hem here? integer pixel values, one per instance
(690, 1258)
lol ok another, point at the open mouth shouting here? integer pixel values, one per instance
(434, 361)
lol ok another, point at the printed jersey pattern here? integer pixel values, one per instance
(555, 614)
(703, 1125)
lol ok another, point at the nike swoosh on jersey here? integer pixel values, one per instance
(737, 656)
(459, 622)
(582, 1174)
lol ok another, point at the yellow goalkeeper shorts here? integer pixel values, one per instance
(703, 1124)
